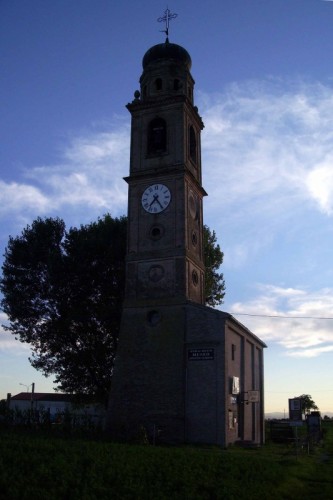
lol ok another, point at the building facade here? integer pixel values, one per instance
(53, 406)
(184, 372)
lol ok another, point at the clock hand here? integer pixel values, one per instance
(158, 201)
(155, 199)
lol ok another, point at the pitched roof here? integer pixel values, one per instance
(41, 396)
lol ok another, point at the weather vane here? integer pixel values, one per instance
(166, 19)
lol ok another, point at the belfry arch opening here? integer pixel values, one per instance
(157, 136)
(158, 84)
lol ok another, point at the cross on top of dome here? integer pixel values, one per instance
(166, 19)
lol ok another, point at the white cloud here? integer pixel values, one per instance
(267, 156)
(88, 176)
(310, 353)
(320, 185)
(92, 172)
(17, 197)
(299, 320)
(99, 148)
(264, 143)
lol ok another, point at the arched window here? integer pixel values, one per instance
(158, 84)
(192, 145)
(156, 136)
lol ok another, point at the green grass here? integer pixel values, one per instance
(36, 466)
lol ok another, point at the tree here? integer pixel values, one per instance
(3, 408)
(307, 403)
(214, 282)
(63, 293)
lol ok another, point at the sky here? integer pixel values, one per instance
(264, 88)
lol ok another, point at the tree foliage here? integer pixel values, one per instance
(214, 281)
(63, 293)
(307, 403)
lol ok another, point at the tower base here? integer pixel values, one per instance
(172, 380)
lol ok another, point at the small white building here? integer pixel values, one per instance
(52, 403)
(54, 406)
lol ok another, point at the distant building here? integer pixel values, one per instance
(55, 405)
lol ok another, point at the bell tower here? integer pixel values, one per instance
(165, 261)
(165, 237)
(176, 359)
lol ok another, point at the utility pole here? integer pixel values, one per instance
(32, 396)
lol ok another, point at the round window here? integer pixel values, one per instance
(195, 277)
(153, 317)
(156, 232)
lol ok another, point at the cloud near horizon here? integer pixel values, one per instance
(297, 319)
(294, 318)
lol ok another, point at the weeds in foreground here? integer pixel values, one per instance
(36, 466)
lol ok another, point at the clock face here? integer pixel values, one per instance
(156, 198)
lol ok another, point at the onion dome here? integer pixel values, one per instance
(167, 51)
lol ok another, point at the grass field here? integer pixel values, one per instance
(39, 466)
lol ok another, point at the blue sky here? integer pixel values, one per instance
(264, 82)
